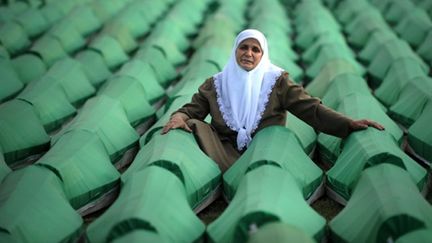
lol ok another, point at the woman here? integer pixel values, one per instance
(248, 95)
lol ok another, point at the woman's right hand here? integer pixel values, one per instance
(177, 120)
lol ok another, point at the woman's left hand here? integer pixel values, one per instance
(363, 124)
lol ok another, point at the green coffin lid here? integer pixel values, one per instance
(81, 161)
(412, 100)
(295, 72)
(363, 26)
(329, 71)
(163, 69)
(143, 72)
(4, 54)
(69, 74)
(132, 95)
(330, 52)
(399, 74)
(84, 19)
(179, 153)
(420, 135)
(110, 49)
(425, 48)
(200, 70)
(122, 34)
(21, 132)
(49, 101)
(323, 41)
(385, 205)
(68, 35)
(166, 212)
(9, 79)
(13, 37)
(29, 67)
(390, 52)
(369, 148)
(135, 22)
(34, 207)
(266, 194)
(4, 168)
(140, 236)
(305, 133)
(169, 30)
(168, 47)
(419, 236)
(105, 10)
(373, 45)
(414, 26)
(279, 233)
(33, 22)
(94, 66)
(276, 146)
(52, 13)
(347, 10)
(318, 28)
(105, 117)
(397, 10)
(49, 49)
(185, 87)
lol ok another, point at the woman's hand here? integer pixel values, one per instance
(363, 124)
(178, 120)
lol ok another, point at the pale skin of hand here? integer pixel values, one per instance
(178, 120)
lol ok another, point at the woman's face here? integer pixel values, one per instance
(248, 54)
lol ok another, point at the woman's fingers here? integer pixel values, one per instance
(363, 124)
(174, 124)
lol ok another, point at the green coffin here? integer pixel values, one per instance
(81, 161)
(110, 49)
(94, 66)
(29, 67)
(385, 205)
(279, 233)
(420, 134)
(10, 81)
(165, 212)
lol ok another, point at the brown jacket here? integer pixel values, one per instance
(285, 96)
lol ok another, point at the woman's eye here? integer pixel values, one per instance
(243, 47)
(256, 50)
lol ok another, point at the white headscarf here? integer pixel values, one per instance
(243, 95)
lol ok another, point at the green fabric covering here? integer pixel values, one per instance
(4, 169)
(266, 194)
(84, 19)
(277, 43)
(420, 134)
(69, 74)
(68, 35)
(295, 72)
(179, 153)
(329, 148)
(81, 161)
(418, 236)
(13, 37)
(401, 72)
(143, 72)
(343, 85)
(200, 70)
(390, 52)
(21, 132)
(384, 206)
(363, 25)
(169, 31)
(213, 54)
(110, 49)
(49, 49)
(413, 98)
(105, 10)
(366, 149)
(34, 208)
(4, 53)
(29, 67)
(347, 10)
(305, 133)
(49, 101)
(397, 10)
(216, 24)
(33, 22)
(135, 22)
(413, 26)
(52, 13)
(169, 49)
(122, 34)
(163, 69)
(9, 79)
(106, 118)
(174, 104)
(374, 43)
(312, 31)
(276, 146)
(166, 212)
(318, 86)
(94, 66)
(330, 52)
(132, 95)
(140, 236)
(186, 87)
(279, 233)
(324, 41)
(425, 48)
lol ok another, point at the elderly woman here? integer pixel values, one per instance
(248, 95)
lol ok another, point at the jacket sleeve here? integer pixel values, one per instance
(296, 100)
(198, 107)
